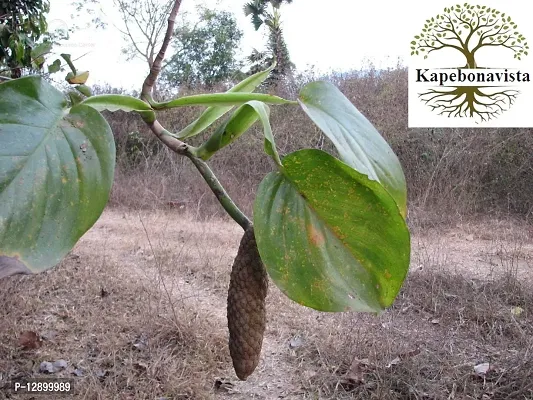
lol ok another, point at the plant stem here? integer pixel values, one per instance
(66, 57)
(155, 68)
(184, 149)
(177, 145)
(221, 195)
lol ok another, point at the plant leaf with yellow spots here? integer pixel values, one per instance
(359, 144)
(331, 238)
(56, 171)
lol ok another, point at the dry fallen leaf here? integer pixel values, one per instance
(46, 368)
(59, 365)
(30, 340)
(482, 369)
(52, 367)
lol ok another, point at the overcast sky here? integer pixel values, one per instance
(329, 35)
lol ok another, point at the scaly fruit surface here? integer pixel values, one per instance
(246, 306)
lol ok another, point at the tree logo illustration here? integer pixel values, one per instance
(469, 30)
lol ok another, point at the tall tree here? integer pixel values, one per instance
(267, 12)
(205, 51)
(142, 25)
(22, 30)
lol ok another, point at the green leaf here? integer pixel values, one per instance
(85, 90)
(330, 238)
(239, 122)
(43, 26)
(54, 67)
(56, 171)
(75, 98)
(243, 118)
(116, 102)
(212, 114)
(68, 60)
(20, 52)
(221, 99)
(359, 144)
(40, 50)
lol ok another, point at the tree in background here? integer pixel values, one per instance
(276, 48)
(144, 26)
(205, 51)
(22, 27)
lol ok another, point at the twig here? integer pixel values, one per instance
(155, 69)
(169, 139)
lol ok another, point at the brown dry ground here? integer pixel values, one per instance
(137, 309)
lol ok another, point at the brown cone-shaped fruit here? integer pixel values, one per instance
(246, 306)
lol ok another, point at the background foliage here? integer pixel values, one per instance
(204, 52)
(266, 13)
(22, 24)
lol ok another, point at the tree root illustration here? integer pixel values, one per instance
(470, 101)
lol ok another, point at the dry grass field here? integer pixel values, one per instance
(137, 311)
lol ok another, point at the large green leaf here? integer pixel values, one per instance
(221, 99)
(330, 238)
(213, 113)
(116, 102)
(359, 144)
(241, 120)
(56, 171)
(238, 123)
